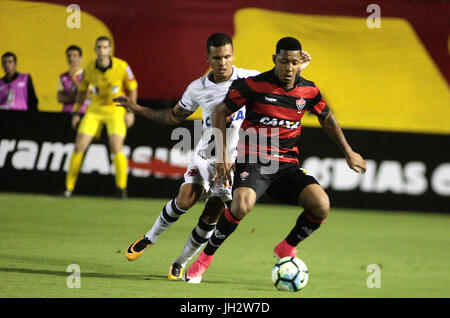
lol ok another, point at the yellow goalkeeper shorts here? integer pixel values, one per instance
(115, 123)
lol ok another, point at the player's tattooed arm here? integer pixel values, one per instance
(223, 165)
(174, 116)
(129, 116)
(332, 128)
(170, 116)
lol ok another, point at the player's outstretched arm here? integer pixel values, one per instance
(223, 164)
(333, 129)
(170, 116)
(129, 116)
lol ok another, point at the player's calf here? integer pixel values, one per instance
(189, 195)
(214, 207)
(169, 215)
(195, 242)
(244, 200)
(306, 224)
(315, 200)
(226, 225)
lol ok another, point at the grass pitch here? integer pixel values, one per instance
(40, 236)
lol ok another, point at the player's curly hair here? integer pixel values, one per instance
(289, 44)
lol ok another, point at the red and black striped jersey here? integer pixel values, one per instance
(272, 123)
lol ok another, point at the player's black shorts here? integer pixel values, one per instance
(283, 184)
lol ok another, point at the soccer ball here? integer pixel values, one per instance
(290, 274)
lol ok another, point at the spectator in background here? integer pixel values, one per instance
(16, 89)
(68, 84)
(68, 81)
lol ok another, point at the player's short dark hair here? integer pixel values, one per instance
(288, 44)
(218, 39)
(7, 54)
(103, 38)
(74, 48)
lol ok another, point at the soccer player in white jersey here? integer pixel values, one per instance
(206, 92)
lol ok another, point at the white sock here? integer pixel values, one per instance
(169, 215)
(196, 240)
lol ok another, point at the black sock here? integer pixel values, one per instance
(305, 226)
(201, 233)
(226, 225)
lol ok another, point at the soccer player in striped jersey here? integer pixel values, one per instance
(275, 103)
(206, 92)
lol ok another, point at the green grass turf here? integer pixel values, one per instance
(41, 235)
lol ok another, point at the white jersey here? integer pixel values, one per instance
(207, 94)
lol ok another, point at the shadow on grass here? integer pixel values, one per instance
(83, 274)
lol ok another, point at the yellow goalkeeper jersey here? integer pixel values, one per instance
(105, 84)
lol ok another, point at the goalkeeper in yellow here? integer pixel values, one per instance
(106, 77)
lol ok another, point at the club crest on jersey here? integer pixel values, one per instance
(115, 89)
(243, 175)
(300, 103)
(192, 172)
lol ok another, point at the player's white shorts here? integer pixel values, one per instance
(201, 171)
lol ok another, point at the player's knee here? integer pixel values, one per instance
(244, 200)
(185, 203)
(80, 147)
(116, 143)
(115, 148)
(82, 142)
(214, 207)
(241, 207)
(315, 200)
(321, 206)
(189, 195)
